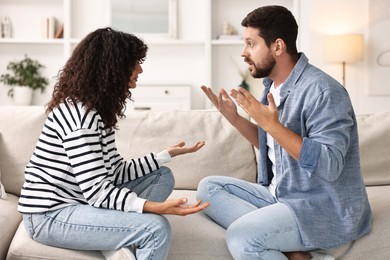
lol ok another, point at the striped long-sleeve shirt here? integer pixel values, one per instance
(76, 162)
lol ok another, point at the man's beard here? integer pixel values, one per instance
(265, 69)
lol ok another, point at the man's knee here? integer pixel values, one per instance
(205, 188)
(240, 244)
(235, 240)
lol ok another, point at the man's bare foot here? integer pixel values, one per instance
(298, 255)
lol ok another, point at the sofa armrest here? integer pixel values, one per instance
(374, 143)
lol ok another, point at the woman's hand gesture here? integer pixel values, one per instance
(180, 148)
(174, 207)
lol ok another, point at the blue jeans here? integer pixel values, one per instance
(84, 227)
(258, 227)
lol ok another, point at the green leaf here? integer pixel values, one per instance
(25, 72)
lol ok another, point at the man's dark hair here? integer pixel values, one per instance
(98, 73)
(274, 22)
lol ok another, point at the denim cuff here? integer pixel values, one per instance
(309, 155)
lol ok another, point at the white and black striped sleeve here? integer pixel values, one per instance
(138, 167)
(85, 151)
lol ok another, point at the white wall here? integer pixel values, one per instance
(188, 63)
(319, 18)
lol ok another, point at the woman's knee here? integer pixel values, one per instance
(167, 175)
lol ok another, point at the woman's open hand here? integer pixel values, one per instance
(174, 207)
(180, 148)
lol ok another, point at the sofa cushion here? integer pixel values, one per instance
(23, 247)
(20, 128)
(9, 222)
(3, 195)
(226, 152)
(188, 235)
(374, 142)
(188, 241)
(375, 245)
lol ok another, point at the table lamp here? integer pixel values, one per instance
(345, 48)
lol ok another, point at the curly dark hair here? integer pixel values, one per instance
(274, 22)
(98, 73)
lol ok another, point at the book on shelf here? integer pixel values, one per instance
(60, 32)
(50, 29)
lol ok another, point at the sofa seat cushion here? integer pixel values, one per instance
(9, 222)
(189, 240)
(196, 236)
(23, 247)
(375, 245)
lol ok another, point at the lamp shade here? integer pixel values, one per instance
(344, 48)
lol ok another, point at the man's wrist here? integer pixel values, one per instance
(236, 120)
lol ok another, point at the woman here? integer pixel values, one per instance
(78, 190)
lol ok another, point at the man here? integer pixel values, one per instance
(310, 193)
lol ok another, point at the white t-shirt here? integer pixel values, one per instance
(270, 140)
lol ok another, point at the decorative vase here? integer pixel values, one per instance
(22, 95)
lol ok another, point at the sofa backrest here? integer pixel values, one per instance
(20, 127)
(374, 142)
(226, 152)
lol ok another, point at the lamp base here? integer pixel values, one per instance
(344, 74)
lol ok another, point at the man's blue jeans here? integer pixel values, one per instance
(84, 227)
(258, 227)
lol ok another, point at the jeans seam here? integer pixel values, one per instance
(155, 242)
(120, 229)
(156, 180)
(260, 198)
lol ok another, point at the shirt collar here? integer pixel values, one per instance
(293, 77)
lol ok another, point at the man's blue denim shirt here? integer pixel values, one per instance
(324, 188)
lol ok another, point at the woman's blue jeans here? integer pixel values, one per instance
(84, 227)
(258, 227)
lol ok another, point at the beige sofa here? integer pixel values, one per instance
(225, 153)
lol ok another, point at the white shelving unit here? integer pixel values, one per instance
(195, 58)
(160, 97)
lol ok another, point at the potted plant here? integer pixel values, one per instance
(25, 77)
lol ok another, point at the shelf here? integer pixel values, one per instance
(160, 97)
(30, 41)
(75, 41)
(196, 56)
(159, 42)
(227, 42)
(174, 42)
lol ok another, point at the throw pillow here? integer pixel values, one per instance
(3, 195)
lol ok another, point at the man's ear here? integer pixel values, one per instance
(279, 46)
